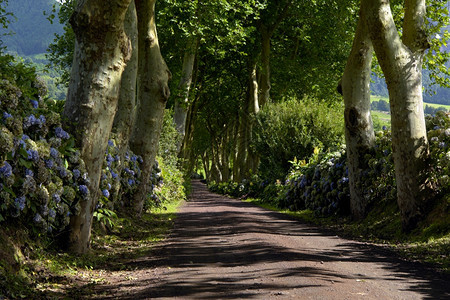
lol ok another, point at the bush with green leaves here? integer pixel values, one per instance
(294, 128)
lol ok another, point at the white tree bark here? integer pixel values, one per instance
(401, 62)
(153, 92)
(359, 134)
(101, 53)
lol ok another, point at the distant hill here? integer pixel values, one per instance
(432, 94)
(33, 32)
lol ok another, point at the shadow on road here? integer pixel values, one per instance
(216, 244)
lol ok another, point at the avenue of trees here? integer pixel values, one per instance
(234, 72)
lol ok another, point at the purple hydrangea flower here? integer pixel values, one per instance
(114, 175)
(34, 103)
(54, 153)
(56, 198)
(42, 120)
(76, 173)
(49, 163)
(33, 155)
(62, 172)
(60, 133)
(37, 218)
(28, 172)
(20, 202)
(83, 189)
(105, 193)
(5, 170)
(6, 115)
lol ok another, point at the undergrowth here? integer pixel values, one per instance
(32, 270)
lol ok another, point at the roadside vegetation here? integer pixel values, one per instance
(316, 190)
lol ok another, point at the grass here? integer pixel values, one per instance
(49, 273)
(429, 243)
(378, 98)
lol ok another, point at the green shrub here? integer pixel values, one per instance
(292, 129)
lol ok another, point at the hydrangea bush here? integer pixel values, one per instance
(321, 184)
(42, 177)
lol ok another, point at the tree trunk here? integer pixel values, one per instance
(265, 66)
(244, 161)
(401, 62)
(182, 99)
(124, 119)
(153, 92)
(101, 53)
(359, 134)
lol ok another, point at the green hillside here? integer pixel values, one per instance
(32, 30)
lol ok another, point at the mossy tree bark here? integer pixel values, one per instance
(124, 119)
(101, 53)
(153, 92)
(182, 98)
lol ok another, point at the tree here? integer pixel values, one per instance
(401, 60)
(153, 92)
(102, 50)
(359, 133)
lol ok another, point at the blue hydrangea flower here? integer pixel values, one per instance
(5, 170)
(6, 115)
(54, 153)
(56, 198)
(76, 173)
(25, 137)
(60, 133)
(37, 218)
(20, 202)
(131, 181)
(105, 193)
(110, 143)
(384, 128)
(114, 175)
(134, 158)
(28, 172)
(33, 155)
(62, 172)
(34, 103)
(52, 213)
(83, 189)
(42, 120)
(49, 163)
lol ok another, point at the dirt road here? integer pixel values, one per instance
(222, 248)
